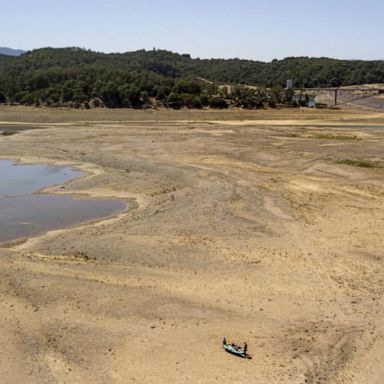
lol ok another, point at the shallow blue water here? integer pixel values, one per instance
(23, 212)
(18, 180)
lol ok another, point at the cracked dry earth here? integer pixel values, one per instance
(254, 231)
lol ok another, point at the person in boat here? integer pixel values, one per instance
(245, 348)
(224, 341)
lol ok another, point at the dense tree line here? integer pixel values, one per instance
(81, 78)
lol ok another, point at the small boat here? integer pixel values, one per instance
(236, 350)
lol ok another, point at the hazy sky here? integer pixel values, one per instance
(252, 29)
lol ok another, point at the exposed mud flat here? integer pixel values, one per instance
(257, 232)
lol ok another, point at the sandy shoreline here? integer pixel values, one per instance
(249, 227)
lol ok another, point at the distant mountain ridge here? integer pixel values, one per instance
(10, 51)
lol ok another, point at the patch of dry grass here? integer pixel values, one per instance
(362, 163)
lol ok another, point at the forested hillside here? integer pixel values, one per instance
(81, 78)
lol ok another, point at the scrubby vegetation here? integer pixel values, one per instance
(361, 163)
(76, 77)
(8, 133)
(334, 136)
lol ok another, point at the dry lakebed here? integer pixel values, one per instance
(260, 226)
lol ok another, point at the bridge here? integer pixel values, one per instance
(359, 92)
